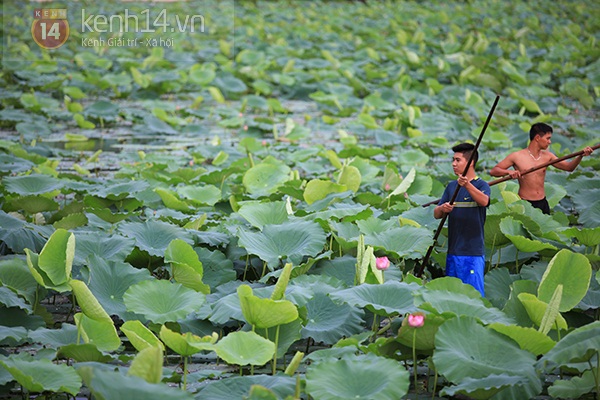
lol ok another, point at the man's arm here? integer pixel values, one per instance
(501, 168)
(442, 209)
(571, 165)
(482, 199)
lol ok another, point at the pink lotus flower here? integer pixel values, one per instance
(416, 320)
(387, 187)
(245, 127)
(382, 263)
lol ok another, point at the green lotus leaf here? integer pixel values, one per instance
(187, 343)
(9, 299)
(328, 322)
(291, 241)
(140, 336)
(109, 384)
(87, 352)
(493, 235)
(153, 236)
(12, 336)
(103, 109)
(357, 377)
(466, 350)
(119, 189)
(100, 333)
(261, 214)
(201, 75)
(350, 177)
(527, 338)
(31, 204)
(264, 178)
(171, 201)
(31, 184)
(186, 267)
(239, 387)
(483, 388)
(413, 157)
(536, 310)
(208, 194)
(245, 348)
(586, 236)
(39, 275)
(390, 298)
(573, 388)
(318, 189)
(425, 335)
(573, 271)
(443, 301)
(19, 235)
(588, 205)
(455, 285)
(218, 269)
(87, 302)
(147, 364)
(56, 258)
(405, 241)
(66, 335)
(265, 313)
(43, 375)
(110, 279)
(579, 345)
(162, 301)
(516, 233)
(16, 277)
(514, 308)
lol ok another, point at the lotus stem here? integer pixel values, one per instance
(375, 324)
(385, 328)
(264, 269)
(435, 380)
(414, 354)
(185, 371)
(276, 346)
(246, 268)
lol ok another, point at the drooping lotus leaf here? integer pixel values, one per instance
(31, 184)
(455, 285)
(318, 189)
(425, 335)
(170, 200)
(442, 301)
(85, 352)
(586, 236)
(109, 384)
(588, 205)
(514, 230)
(497, 286)
(573, 388)
(536, 310)
(245, 348)
(328, 322)
(357, 377)
(119, 189)
(291, 241)
(265, 313)
(404, 241)
(87, 302)
(483, 388)
(573, 271)
(12, 336)
(350, 177)
(9, 299)
(56, 258)
(579, 345)
(110, 279)
(390, 298)
(147, 364)
(493, 236)
(261, 214)
(98, 332)
(208, 194)
(514, 308)
(264, 178)
(43, 375)
(66, 335)
(153, 236)
(161, 301)
(140, 336)
(218, 269)
(31, 204)
(465, 350)
(528, 339)
(239, 387)
(185, 266)
(187, 343)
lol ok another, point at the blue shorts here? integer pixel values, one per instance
(468, 269)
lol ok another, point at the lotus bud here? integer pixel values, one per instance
(382, 263)
(416, 320)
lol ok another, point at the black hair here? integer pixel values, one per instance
(467, 149)
(539, 128)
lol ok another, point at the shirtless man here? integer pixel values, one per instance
(531, 186)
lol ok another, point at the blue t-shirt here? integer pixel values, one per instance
(465, 222)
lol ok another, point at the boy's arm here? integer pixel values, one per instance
(501, 168)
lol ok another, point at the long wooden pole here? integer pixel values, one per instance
(528, 171)
(421, 268)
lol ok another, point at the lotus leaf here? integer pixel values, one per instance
(31, 184)
(245, 348)
(536, 309)
(87, 302)
(56, 258)
(291, 241)
(261, 214)
(318, 189)
(153, 236)
(573, 271)
(390, 298)
(187, 344)
(239, 387)
(357, 377)
(405, 241)
(264, 178)
(483, 388)
(425, 338)
(162, 301)
(328, 322)
(514, 230)
(265, 313)
(579, 345)
(147, 364)
(98, 332)
(466, 350)
(527, 338)
(574, 388)
(43, 375)
(140, 336)
(66, 335)
(87, 352)
(586, 236)
(185, 266)
(19, 235)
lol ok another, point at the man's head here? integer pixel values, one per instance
(539, 129)
(462, 153)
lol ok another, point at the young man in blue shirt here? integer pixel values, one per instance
(466, 217)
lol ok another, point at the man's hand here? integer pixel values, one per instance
(587, 151)
(447, 207)
(514, 174)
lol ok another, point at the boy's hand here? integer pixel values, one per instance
(463, 180)
(447, 207)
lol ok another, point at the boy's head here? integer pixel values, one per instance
(539, 129)
(466, 149)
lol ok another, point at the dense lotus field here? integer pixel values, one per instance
(213, 218)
